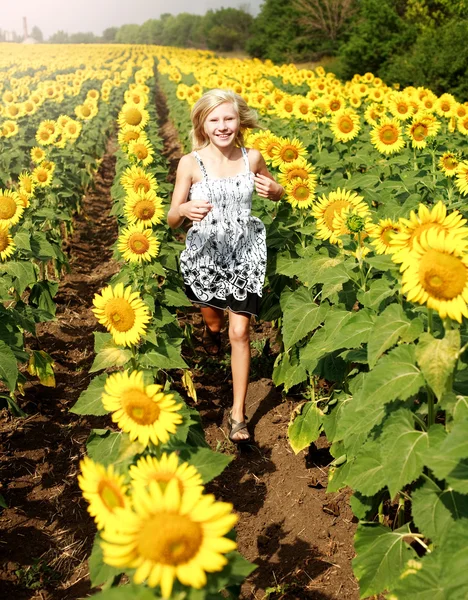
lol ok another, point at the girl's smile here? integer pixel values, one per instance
(222, 123)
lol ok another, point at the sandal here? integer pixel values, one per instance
(211, 341)
(237, 426)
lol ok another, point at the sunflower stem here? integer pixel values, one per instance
(134, 358)
(415, 161)
(430, 322)
(430, 407)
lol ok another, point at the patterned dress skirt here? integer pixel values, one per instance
(224, 261)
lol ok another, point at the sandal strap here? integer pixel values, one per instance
(237, 426)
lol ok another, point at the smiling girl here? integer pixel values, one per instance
(224, 260)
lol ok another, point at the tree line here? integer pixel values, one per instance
(414, 42)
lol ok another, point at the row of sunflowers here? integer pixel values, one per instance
(145, 483)
(53, 131)
(367, 282)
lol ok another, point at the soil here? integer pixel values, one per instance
(300, 537)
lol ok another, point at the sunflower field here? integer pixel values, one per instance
(367, 287)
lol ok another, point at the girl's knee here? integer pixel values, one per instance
(239, 333)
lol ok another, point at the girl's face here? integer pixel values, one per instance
(222, 125)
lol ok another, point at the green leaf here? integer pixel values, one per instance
(365, 507)
(208, 463)
(175, 298)
(8, 366)
(42, 295)
(128, 592)
(381, 263)
(23, 272)
(301, 316)
(403, 449)
(379, 290)
(163, 356)
(99, 572)
(103, 446)
(440, 575)
(437, 358)
(445, 459)
(40, 247)
(110, 356)
(90, 401)
(381, 557)
(436, 510)
(366, 471)
(288, 370)
(305, 426)
(354, 332)
(389, 326)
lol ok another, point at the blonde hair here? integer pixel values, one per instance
(210, 100)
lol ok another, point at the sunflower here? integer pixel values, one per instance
(72, 129)
(448, 163)
(436, 219)
(170, 536)
(435, 273)
(268, 144)
(142, 150)
(325, 209)
(345, 125)
(461, 111)
(133, 116)
(335, 104)
(86, 111)
(461, 179)
(145, 412)
(104, 490)
(7, 246)
(143, 207)
(37, 155)
(42, 176)
(300, 192)
(26, 183)
(137, 244)
(419, 130)
(122, 312)
(136, 179)
(289, 150)
(298, 169)
(400, 107)
(445, 105)
(462, 125)
(382, 233)
(11, 208)
(387, 137)
(303, 109)
(149, 468)
(128, 135)
(45, 136)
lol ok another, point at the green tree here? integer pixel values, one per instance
(60, 37)
(83, 38)
(128, 34)
(378, 33)
(36, 34)
(108, 35)
(227, 28)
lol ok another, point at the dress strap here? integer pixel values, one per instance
(246, 159)
(200, 164)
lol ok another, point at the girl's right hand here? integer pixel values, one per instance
(195, 210)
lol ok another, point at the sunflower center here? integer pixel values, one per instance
(41, 175)
(420, 132)
(110, 495)
(138, 243)
(345, 125)
(301, 193)
(387, 235)
(141, 182)
(7, 207)
(4, 242)
(288, 107)
(402, 109)
(120, 313)
(139, 406)
(86, 111)
(445, 106)
(27, 184)
(289, 153)
(45, 135)
(169, 539)
(450, 163)
(133, 116)
(144, 209)
(131, 135)
(442, 275)
(334, 207)
(140, 151)
(335, 105)
(303, 109)
(388, 134)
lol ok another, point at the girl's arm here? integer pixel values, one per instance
(265, 183)
(195, 210)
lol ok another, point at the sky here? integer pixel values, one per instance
(75, 16)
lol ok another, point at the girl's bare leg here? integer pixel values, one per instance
(239, 336)
(214, 320)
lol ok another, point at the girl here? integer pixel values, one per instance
(224, 261)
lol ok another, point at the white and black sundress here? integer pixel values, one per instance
(224, 261)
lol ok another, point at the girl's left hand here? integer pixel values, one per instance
(268, 188)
